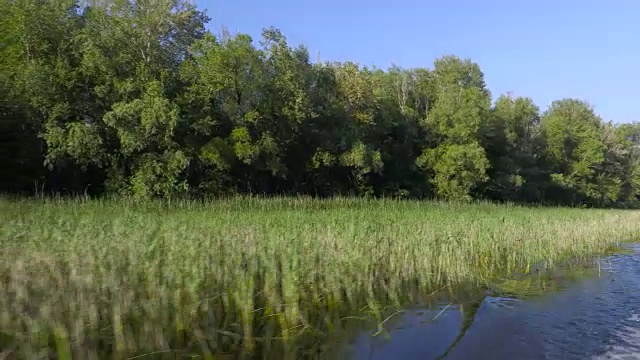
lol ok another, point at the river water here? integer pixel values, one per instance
(592, 317)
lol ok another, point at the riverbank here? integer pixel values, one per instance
(89, 277)
(591, 313)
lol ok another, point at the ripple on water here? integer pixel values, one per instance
(627, 341)
(593, 318)
(501, 302)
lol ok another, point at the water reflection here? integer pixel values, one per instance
(569, 314)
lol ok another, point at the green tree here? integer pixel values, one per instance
(222, 99)
(575, 148)
(514, 144)
(124, 116)
(623, 154)
(457, 168)
(462, 105)
(138, 98)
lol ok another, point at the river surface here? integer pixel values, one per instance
(596, 316)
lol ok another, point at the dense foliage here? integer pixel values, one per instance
(138, 98)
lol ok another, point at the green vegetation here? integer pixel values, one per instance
(137, 98)
(137, 101)
(93, 277)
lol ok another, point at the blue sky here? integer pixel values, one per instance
(543, 49)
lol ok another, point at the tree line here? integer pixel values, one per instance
(138, 98)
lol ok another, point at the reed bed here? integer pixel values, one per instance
(256, 277)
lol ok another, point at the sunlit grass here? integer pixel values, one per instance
(94, 277)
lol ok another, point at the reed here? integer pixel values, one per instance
(84, 278)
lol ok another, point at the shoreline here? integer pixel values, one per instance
(281, 268)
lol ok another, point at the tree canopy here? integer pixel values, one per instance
(138, 98)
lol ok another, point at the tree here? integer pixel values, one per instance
(514, 144)
(457, 168)
(221, 104)
(462, 105)
(575, 148)
(124, 117)
(623, 154)
(138, 98)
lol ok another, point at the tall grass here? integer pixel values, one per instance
(90, 278)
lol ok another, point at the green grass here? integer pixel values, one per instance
(91, 278)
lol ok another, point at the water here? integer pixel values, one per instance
(592, 317)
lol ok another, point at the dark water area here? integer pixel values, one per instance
(592, 316)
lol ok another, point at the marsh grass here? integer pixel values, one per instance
(260, 277)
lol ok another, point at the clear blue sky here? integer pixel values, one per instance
(545, 49)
